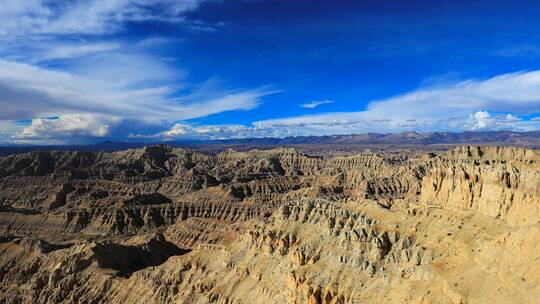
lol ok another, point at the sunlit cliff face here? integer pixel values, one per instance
(165, 225)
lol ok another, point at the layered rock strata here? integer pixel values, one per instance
(164, 225)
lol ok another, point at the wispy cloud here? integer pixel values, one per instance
(315, 103)
(190, 131)
(86, 16)
(504, 102)
(70, 51)
(30, 92)
(102, 81)
(519, 50)
(68, 69)
(439, 108)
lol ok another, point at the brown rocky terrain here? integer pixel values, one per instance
(168, 225)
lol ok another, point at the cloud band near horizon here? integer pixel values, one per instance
(75, 72)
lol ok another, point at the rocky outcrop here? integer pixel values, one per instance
(164, 225)
(75, 273)
(497, 182)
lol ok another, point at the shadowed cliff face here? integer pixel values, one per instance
(128, 258)
(164, 225)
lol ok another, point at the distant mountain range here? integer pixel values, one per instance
(505, 138)
(405, 138)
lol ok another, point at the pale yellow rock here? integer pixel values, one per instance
(163, 225)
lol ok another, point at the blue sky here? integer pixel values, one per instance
(155, 70)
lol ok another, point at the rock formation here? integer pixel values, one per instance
(168, 225)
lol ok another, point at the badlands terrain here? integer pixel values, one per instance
(167, 225)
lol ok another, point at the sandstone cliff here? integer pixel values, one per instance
(164, 225)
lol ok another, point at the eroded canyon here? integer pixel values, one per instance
(168, 225)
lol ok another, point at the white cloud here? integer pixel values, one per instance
(438, 108)
(86, 16)
(105, 83)
(68, 126)
(69, 51)
(188, 131)
(480, 120)
(492, 104)
(29, 92)
(178, 130)
(483, 120)
(93, 100)
(7, 129)
(315, 103)
(101, 84)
